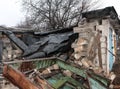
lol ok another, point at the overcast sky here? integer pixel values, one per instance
(11, 12)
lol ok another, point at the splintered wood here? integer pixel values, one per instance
(17, 78)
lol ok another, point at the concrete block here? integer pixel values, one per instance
(103, 51)
(103, 39)
(103, 45)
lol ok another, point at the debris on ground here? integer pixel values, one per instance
(83, 56)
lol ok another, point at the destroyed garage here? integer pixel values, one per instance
(83, 56)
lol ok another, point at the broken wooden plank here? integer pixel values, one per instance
(31, 60)
(78, 71)
(42, 83)
(100, 79)
(70, 80)
(94, 84)
(39, 64)
(17, 78)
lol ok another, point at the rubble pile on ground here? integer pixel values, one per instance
(61, 72)
(79, 57)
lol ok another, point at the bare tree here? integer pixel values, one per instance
(55, 14)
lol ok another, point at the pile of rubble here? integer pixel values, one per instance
(79, 57)
(68, 68)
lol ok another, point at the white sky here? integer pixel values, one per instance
(11, 12)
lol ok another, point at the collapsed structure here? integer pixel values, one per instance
(82, 56)
(97, 38)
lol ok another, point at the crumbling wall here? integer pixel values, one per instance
(91, 49)
(10, 50)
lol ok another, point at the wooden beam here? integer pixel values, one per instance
(29, 60)
(17, 78)
(43, 83)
